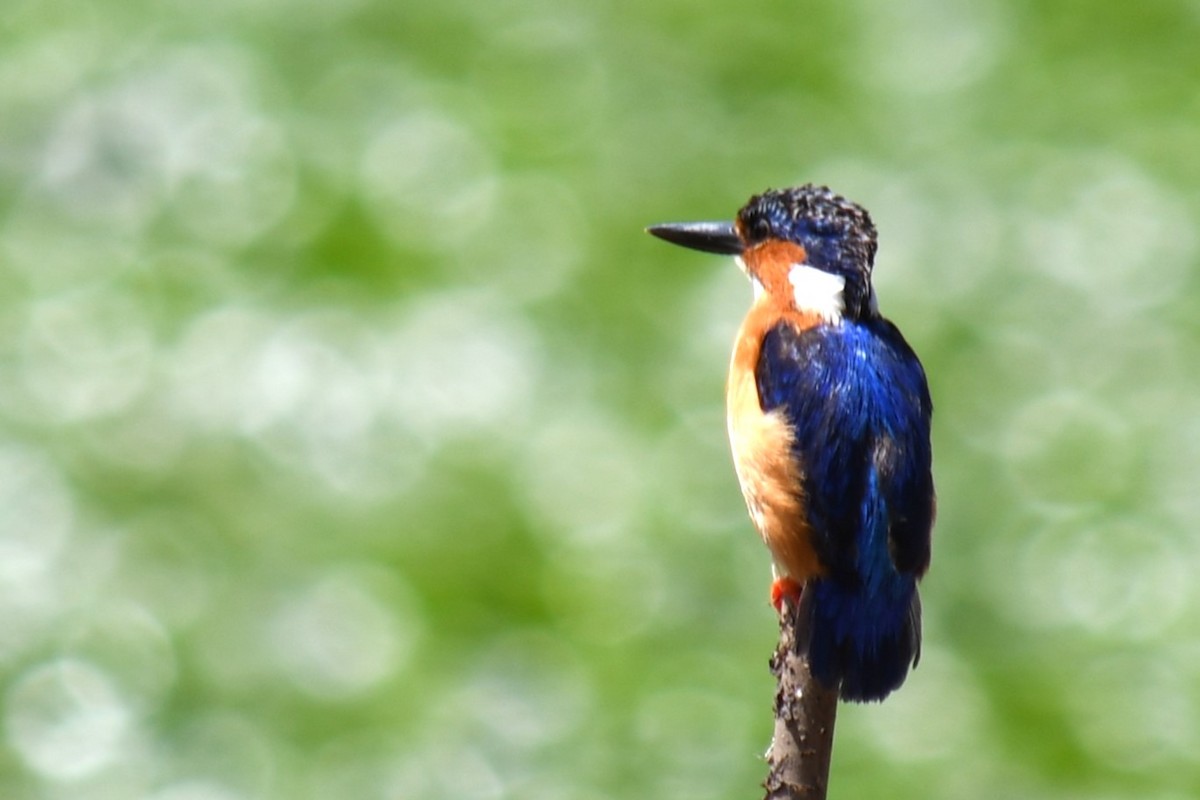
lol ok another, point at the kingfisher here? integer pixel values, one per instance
(828, 411)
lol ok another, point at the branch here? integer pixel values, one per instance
(805, 711)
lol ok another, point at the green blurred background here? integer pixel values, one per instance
(356, 442)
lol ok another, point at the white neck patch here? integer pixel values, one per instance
(817, 291)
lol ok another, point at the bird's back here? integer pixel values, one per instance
(857, 408)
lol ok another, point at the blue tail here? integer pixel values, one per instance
(862, 622)
(862, 637)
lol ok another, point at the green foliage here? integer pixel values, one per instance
(355, 442)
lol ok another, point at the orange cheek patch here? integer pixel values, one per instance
(777, 251)
(771, 260)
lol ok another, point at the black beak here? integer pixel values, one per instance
(711, 237)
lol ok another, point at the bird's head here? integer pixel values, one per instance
(805, 246)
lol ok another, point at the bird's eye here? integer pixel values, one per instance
(760, 230)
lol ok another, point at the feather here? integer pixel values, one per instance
(858, 408)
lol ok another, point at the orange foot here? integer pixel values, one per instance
(785, 590)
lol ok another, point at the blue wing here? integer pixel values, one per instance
(856, 397)
(858, 402)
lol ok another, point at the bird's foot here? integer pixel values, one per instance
(785, 590)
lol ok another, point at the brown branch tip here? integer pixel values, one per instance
(805, 712)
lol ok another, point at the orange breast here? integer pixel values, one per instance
(762, 452)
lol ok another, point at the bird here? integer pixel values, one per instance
(828, 416)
